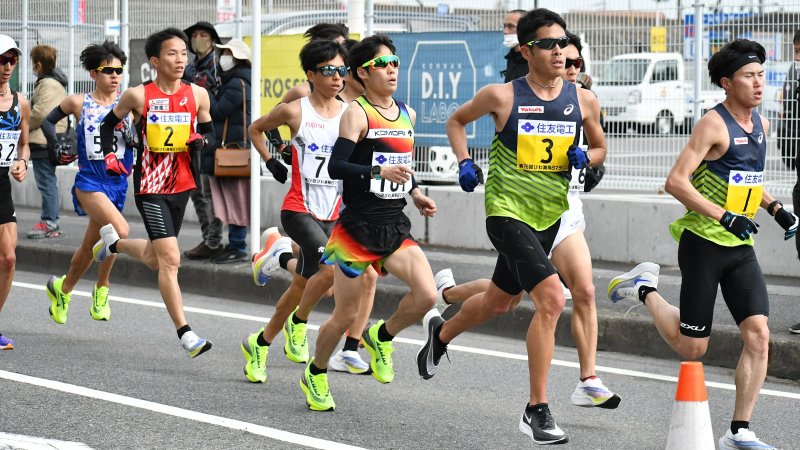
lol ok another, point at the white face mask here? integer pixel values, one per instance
(510, 40)
(226, 62)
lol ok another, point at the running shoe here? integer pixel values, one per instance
(108, 237)
(100, 309)
(256, 355)
(593, 392)
(59, 301)
(444, 281)
(743, 440)
(267, 261)
(381, 353)
(318, 394)
(44, 229)
(348, 361)
(194, 344)
(541, 427)
(795, 329)
(6, 343)
(296, 340)
(627, 285)
(430, 354)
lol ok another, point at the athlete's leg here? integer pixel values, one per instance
(411, 266)
(369, 284)
(347, 292)
(668, 322)
(8, 258)
(752, 368)
(461, 292)
(169, 260)
(140, 249)
(476, 310)
(286, 304)
(317, 286)
(548, 297)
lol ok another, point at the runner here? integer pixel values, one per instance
(719, 177)
(539, 119)
(373, 155)
(165, 110)
(96, 193)
(15, 112)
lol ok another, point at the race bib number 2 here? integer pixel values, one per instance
(8, 147)
(168, 132)
(386, 189)
(542, 145)
(744, 192)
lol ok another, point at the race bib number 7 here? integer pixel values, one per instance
(386, 189)
(744, 192)
(542, 145)
(8, 147)
(315, 164)
(168, 132)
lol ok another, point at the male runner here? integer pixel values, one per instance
(719, 177)
(96, 193)
(15, 111)
(373, 155)
(539, 119)
(165, 111)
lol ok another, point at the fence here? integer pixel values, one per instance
(647, 96)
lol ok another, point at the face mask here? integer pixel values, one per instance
(226, 62)
(201, 46)
(510, 40)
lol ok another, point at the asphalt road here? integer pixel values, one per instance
(127, 384)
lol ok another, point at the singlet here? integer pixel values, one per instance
(163, 164)
(735, 182)
(90, 153)
(9, 135)
(529, 169)
(387, 142)
(312, 190)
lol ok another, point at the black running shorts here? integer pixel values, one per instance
(162, 213)
(311, 235)
(522, 262)
(705, 266)
(7, 214)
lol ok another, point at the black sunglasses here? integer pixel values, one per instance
(577, 63)
(329, 71)
(108, 70)
(549, 43)
(13, 60)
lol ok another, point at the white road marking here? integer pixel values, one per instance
(260, 430)
(418, 342)
(22, 442)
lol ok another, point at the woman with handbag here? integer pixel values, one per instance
(228, 162)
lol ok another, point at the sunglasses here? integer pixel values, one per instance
(108, 70)
(329, 71)
(381, 62)
(577, 63)
(549, 43)
(13, 60)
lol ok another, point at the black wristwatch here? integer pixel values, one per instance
(376, 172)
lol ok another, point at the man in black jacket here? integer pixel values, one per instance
(516, 66)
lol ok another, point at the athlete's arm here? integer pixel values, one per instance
(425, 204)
(203, 104)
(590, 108)
(20, 168)
(282, 114)
(486, 101)
(131, 101)
(62, 110)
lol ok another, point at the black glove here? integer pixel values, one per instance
(278, 170)
(738, 225)
(593, 177)
(63, 154)
(196, 142)
(788, 222)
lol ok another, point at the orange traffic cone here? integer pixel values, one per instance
(690, 428)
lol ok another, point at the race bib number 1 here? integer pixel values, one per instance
(744, 192)
(386, 189)
(542, 145)
(8, 147)
(168, 132)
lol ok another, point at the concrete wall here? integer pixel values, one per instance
(621, 227)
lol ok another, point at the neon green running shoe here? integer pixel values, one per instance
(296, 346)
(256, 355)
(318, 394)
(100, 309)
(381, 352)
(59, 301)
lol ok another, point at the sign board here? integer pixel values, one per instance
(658, 39)
(226, 10)
(112, 27)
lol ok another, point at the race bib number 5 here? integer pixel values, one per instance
(94, 151)
(542, 145)
(386, 189)
(744, 192)
(168, 132)
(8, 147)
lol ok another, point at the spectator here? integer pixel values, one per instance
(48, 92)
(231, 196)
(789, 134)
(203, 71)
(516, 66)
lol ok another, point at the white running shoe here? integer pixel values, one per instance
(627, 285)
(444, 280)
(567, 292)
(108, 237)
(593, 392)
(743, 440)
(348, 361)
(267, 261)
(194, 344)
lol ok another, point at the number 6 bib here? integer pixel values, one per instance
(542, 145)
(168, 132)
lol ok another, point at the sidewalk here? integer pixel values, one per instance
(632, 333)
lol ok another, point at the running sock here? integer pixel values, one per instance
(530, 409)
(384, 335)
(436, 335)
(182, 330)
(316, 370)
(261, 341)
(296, 320)
(113, 247)
(283, 260)
(588, 378)
(736, 424)
(350, 344)
(644, 290)
(444, 297)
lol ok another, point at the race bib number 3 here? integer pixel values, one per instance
(168, 132)
(386, 189)
(744, 192)
(8, 147)
(315, 164)
(94, 151)
(542, 145)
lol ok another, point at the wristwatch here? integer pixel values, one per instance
(376, 172)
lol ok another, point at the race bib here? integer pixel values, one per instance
(315, 164)
(744, 192)
(386, 189)
(94, 151)
(8, 147)
(542, 145)
(576, 183)
(168, 132)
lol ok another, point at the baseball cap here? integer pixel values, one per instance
(6, 44)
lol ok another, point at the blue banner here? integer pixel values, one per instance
(440, 72)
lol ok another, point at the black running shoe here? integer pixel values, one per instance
(431, 353)
(541, 426)
(795, 329)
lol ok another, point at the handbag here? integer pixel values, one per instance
(233, 160)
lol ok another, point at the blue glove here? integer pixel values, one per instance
(577, 157)
(788, 222)
(469, 175)
(738, 225)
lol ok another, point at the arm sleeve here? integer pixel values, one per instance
(107, 132)
(49, 124)
(340, 167)
(274, 136)
(207, 130)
